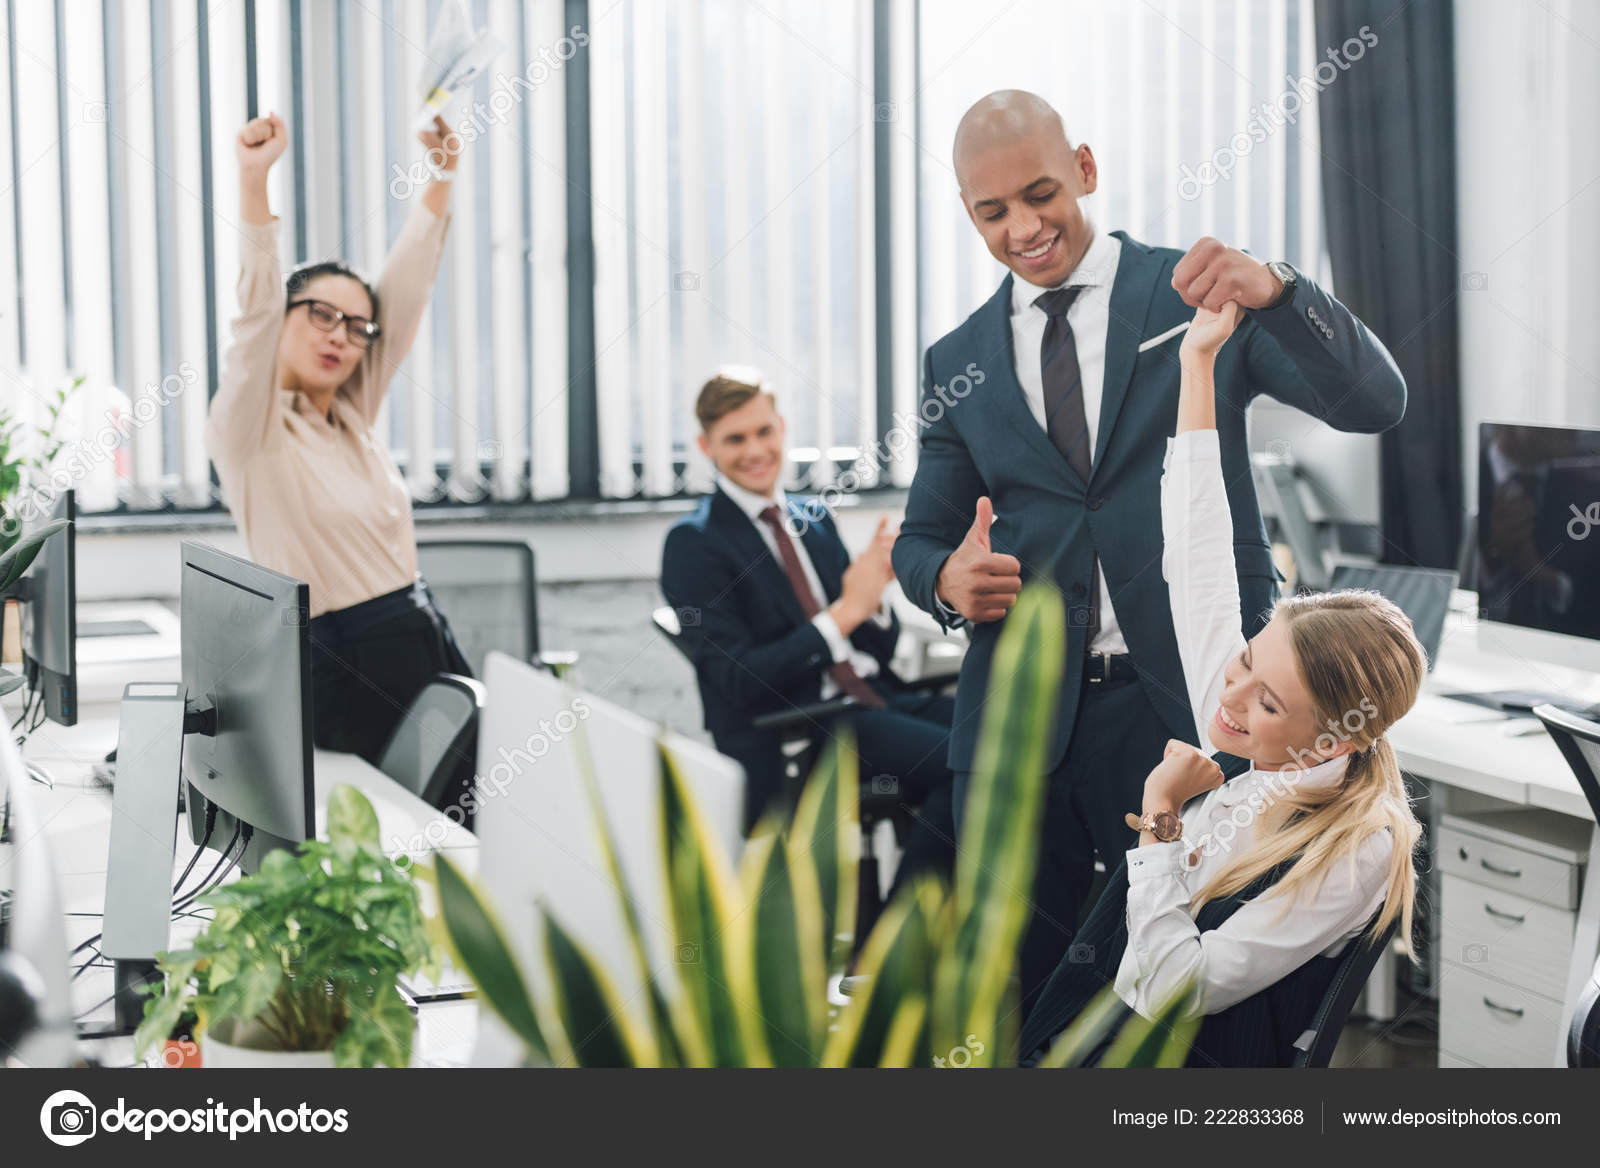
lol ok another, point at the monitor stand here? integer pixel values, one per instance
(144, 828)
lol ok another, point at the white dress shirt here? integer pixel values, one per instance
(839, 645)
(1090, 320)
(1261, 942)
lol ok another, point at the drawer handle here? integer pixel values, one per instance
(1499, 871)
(1514, 1011)
(1514, 918)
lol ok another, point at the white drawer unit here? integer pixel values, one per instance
(1509, 890)
(1489, 1023)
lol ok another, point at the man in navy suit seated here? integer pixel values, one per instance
(776, 615)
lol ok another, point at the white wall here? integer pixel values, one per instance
(1528, 175)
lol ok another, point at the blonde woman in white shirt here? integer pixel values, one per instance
(1244, 895)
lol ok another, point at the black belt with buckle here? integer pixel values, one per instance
(1099, 668)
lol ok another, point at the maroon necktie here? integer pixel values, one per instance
(843, 673)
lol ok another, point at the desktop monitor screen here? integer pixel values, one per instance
(247, 670)
(1539, 528)
(49, 615)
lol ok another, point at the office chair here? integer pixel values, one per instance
(802, 733)
(1578, 739)
(436, 742)
(1314, 1048)
(488, 590)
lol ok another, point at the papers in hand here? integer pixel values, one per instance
(455, 55)
(1166, 336)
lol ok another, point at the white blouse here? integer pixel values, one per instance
(1260, 943)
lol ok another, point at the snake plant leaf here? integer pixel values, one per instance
(995, 863)
(480, 948)
(786, 947)
(600, 1030)
(827, 826)
(702, 891)
(1087, 1031)
(895, 963)
(20, 556)
(905, 1031)
(1162, 1041)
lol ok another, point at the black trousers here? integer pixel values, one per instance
(905, 748)
(1117, 740)
(368, 663)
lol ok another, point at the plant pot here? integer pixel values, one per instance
(181, 1054)
(226, 1044)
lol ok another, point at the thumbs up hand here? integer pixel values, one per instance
(977, 582)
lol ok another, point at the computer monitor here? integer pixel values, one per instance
(35, 986)
(247, 679)
(49, 605)
(538, 839)
(1538, 561)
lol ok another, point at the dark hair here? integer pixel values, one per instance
(303, 275)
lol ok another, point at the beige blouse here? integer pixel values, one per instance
(319, 498)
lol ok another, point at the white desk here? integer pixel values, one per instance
(1466, 749)
(77, 817)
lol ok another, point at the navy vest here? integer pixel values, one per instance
(1257, 1032)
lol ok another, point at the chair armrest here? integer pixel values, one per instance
(798, 716)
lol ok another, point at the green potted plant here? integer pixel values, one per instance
(26, 452)
(937, 967)
(298, 966)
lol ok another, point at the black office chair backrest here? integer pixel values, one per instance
(1578, 739)
(1583, 1032)
(1314, 1048)
(488, 591)
(1423, 594)
(435, 739)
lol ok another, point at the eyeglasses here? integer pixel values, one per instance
(326, 317)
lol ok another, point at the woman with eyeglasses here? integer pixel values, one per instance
(311, 486)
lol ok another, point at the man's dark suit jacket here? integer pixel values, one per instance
(753, 649)
(1311, 353)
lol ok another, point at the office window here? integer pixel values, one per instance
(1182, 101)
(733, 205)
(119, 226)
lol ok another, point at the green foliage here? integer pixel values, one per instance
(309, 947)
(27, 451)
(755, 949)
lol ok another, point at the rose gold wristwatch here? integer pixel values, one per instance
(1164, 825)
